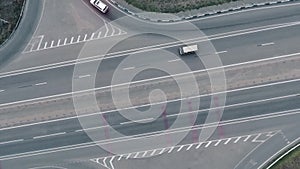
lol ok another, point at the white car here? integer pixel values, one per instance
(99, 5)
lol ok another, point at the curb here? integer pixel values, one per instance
(283, 152)
(17, 25)
(202, 15)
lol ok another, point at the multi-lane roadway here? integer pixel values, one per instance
(259, 119)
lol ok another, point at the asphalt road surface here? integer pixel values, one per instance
(255, 118)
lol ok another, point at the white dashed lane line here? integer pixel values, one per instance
(129, 68)
(2, 91)
(267, 44)
(175, 60)
(84, 76)
(13, 141)
(221, 52)
(40, 84)
(49, 135)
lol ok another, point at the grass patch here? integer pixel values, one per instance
(290, 161)
(173, 6)
(9, 15)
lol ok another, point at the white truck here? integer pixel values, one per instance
(188, 49)
(99, 5)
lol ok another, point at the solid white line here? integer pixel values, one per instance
(72, 39)
(199, 145)
(113, 31)
(136, 155)
(237, 140)
(145, 153)
(13, 141)
(162, 151)
(153, 152)
(107, 30)
(217, 143)
(49, 135)
(208, 144)
(171, 149)
(142, 49)
(247, 138)
(45, 46)
(78, 38)
(85, 36)
(128, 156)
(180, 148)
(61, 119)
(65, 41)
(175, 60)
(189, 147)
(84, 76)
(120, 157)
(58, 42)
(40, 42)
(137, 121)
(255, 139)
(40, 84)
(129, 68)
(227, 141)
(92, 36)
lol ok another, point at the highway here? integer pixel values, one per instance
(245, 40)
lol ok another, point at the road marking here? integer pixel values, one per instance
(247, 138)
(138, 121)
(72, 39)
(180, 148)
(267, 44)
(45, 46)
(237, 140)
(199, 145)
(140, 50)
(136, 155)
(58, 42)
(162, 151)
(128, 156)
(107, 30)
(153, 152)
(13, 141)
(65, 41)
(85, 36)
(175, 60)
(145, 153)
(221, 52)
(207, 144)
(129, 68)
(257, 141)
(120, 157)
(52, 43)
(227, 141)
(2, 91)
(84, 76)
(92, 36)
(49, 135)
(171, 149)
(217, 143)
(190, 146)
(61, 119)
(78, 39)
(40, 84)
